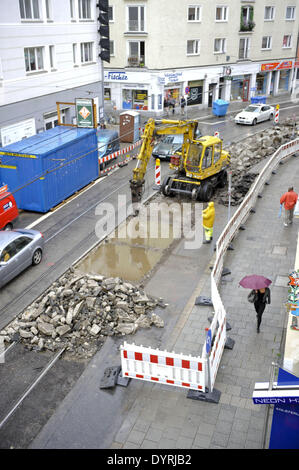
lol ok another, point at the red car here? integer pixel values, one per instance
(8, 209)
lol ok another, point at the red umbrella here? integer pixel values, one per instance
(255, 282)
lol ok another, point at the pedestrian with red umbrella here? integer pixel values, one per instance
(259, 295)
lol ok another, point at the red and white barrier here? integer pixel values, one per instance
(216, 134)
(276, 116)
(119, 152)
(153, 365)
(158, 172)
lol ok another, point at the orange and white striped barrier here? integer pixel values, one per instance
(107, 158)
(153, 365)
(276, 117)
(158, 172)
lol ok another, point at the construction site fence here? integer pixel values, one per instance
(218, 324)
(154, 365)
(199, 373)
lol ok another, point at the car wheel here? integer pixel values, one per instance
(254, 122)
(37, 257)
(8, 226)
(271, 116)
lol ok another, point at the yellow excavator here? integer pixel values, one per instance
(199, 168)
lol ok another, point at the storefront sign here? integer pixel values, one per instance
(173, 77)
(287, 64)
(116, 76)
(84, 112)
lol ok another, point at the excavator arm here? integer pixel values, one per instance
(153, 128)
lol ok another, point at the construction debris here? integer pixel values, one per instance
(79, 310)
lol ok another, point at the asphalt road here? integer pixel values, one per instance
(69, 230)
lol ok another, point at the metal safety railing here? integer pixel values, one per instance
(199, 373)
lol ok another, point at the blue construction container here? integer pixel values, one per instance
(219, 107)
(46, 168)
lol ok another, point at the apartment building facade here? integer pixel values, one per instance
(49, 53)
(208, 49)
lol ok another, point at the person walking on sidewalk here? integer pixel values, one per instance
(262, 297)
(208, 217)
(289, 199)
(183, 104)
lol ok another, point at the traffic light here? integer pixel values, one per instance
(103, 20)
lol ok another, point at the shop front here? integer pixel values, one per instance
(284, 80)
(135, 99)
(172, 93)
(261, 83)
(240, 88)
(195, 92)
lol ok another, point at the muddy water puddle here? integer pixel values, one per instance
(132, 250)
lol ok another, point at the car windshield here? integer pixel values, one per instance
(252, 109)
(173, 139)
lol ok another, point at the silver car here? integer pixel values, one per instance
(19, 249)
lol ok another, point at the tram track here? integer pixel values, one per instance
(15, 302)
(20, 400)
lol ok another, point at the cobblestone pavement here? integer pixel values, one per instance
(146, 415)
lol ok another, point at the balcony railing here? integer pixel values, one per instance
(135, 26)
(135, 61)
(247, 25)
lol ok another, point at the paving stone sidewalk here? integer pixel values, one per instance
(165, 418)
(152, 416)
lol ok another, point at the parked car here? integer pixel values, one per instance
(108, 142)
(255, 113)
(169, 144)
(18, 250)
(8, 209)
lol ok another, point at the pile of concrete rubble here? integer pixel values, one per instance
(250, 151)
(79, 310)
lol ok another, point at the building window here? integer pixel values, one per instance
(219, 45)
(269, 13)
(136, 53)
(290, 13)
(72, 10)
(84, 9)
(34, 59)
(221, 13)
(267, 42)
(111, 43)
(136, 19)
(193, 47)
(244, 48)
(287, 41)
(86, 52)
(194, 13)
(48, 10)
(52, 56)
(111, 13)
(29, 9)
(247, 23)
(75, 54)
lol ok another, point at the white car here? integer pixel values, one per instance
(255, 113)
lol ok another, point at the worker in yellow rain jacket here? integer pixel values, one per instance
(208, 217)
